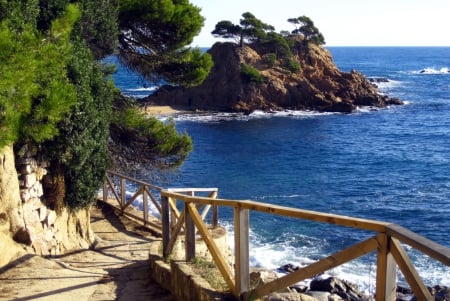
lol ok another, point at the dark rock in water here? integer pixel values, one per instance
(288, 268)
(440, 293)
(378, 80)
(333, 285)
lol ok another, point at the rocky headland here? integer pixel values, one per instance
(252, 77)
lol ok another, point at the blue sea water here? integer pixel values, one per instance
(390, 164)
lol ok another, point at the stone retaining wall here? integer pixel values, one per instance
(47, 231)
(179, 278)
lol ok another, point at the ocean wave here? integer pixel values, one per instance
(222, 116)
(150, 89)
(432, 70)
(139, 92)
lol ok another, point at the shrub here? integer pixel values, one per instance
(292, 65)
(271, 59)
(251, 74)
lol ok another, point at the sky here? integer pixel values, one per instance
(342, 22)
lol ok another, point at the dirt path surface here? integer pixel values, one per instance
(115, 269)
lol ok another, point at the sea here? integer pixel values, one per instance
(390, 164)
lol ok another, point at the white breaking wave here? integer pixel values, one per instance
(140, 92)
(433, 70)
(222, 116)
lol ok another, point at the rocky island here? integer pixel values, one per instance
(256, 76)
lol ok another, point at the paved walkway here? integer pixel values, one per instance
(116, 269)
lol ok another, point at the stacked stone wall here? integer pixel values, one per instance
(47, 231)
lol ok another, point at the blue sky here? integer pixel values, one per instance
(342, 22)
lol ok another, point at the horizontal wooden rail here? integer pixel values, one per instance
(386, 242)
(181, 208)
(340, 220)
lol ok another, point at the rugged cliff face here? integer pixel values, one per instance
(316, 85)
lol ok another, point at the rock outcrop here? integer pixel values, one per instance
(317, 83)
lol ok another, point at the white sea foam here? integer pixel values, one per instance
(140, 92)
(223, 116)
(386, 87)
(432, 70)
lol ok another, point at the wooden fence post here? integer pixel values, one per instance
(105, 191)
(241, 250)
(145, 204)
(165, 220)
(215, 216)
(190, 236)
(386, 271)
(123, 193)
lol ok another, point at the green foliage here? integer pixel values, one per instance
(275, 42)
(55, 95)
(227, 30)
(254, 29)
(19, 14)
(271, 59)
(153, 38)
(191, 69)
(81, 149)
(251, 74)
(156, 142)
(305, 26)
(98, 26)
(292, 65)
(250, 28)
(35, 92)
(48, 11)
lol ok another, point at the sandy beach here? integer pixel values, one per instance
(164, 110)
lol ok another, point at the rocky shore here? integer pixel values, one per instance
(318, 84)
(333, 289)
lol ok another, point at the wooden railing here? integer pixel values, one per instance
(386, 241)
(115, 188)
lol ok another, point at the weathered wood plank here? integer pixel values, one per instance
(317, 267)
(175, 232)
(154, 200)
(401, 257)
(386, 271)
(123, 192)
(188, 190)
(145, 203)
(111, 185)
(133, 198)
(241, 250)
(428, 247)
(134, 180)
(205, 211)
(340, 220)
(189, 236)
(165, 220)
(212, 247)
(173, 207)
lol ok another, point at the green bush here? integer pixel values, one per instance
(271, 59)
(292, 66)
(251, 74)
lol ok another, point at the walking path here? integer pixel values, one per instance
(115, 269)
